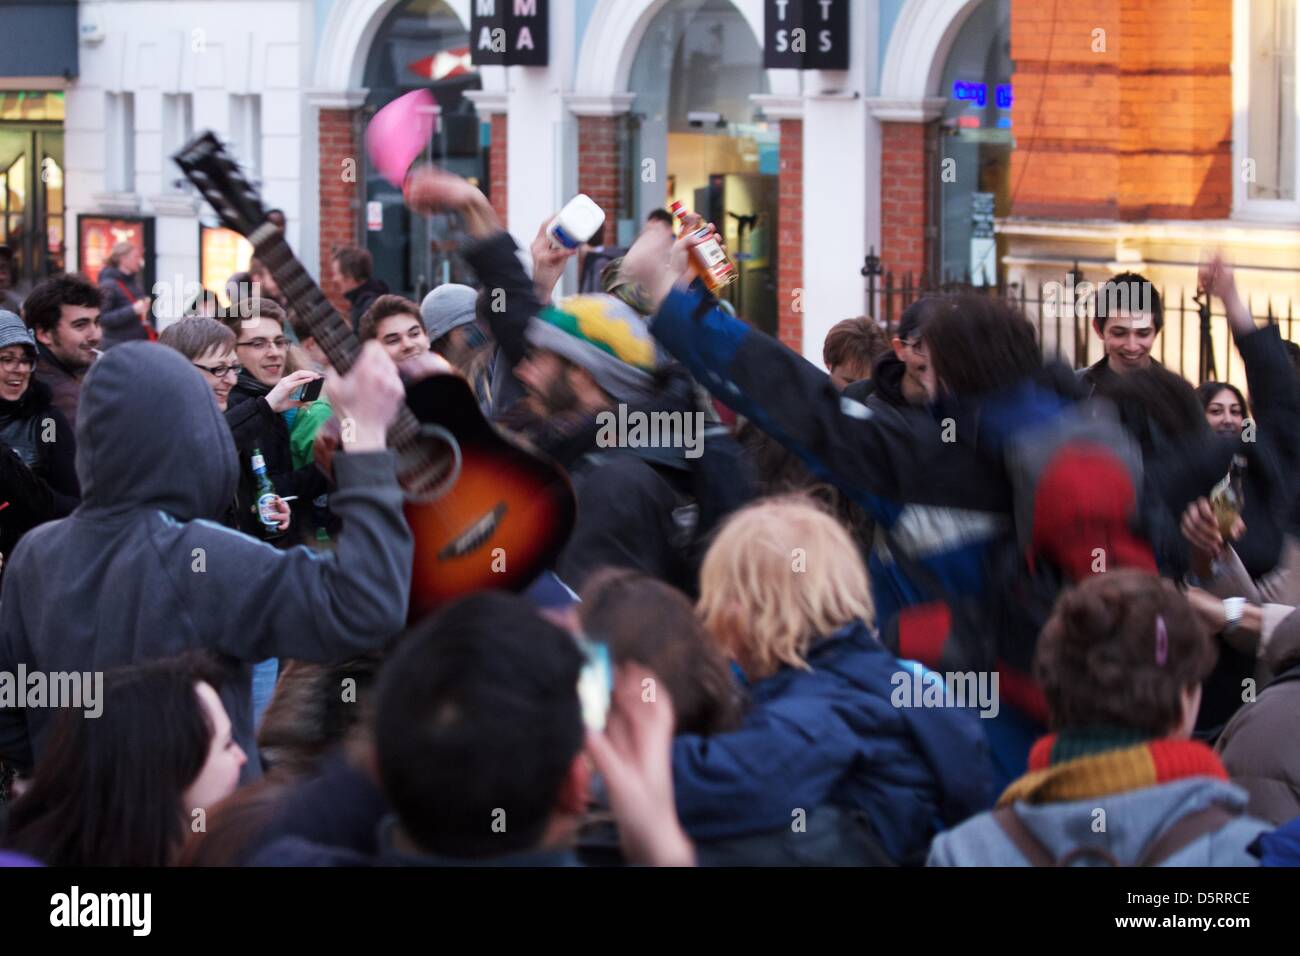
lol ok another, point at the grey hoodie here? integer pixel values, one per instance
(1133, 821)
(141, 571)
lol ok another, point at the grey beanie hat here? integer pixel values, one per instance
(13, 331)
(447, 307)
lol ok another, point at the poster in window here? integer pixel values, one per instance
(97, 235)
(222, 253)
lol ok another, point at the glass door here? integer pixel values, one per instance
(31, 202)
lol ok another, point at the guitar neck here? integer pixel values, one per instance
(331, 332)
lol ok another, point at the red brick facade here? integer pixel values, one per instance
(497, 153)
(340, 193)
(789, 264)
(904, 197)
(599, 163)
(1141, 129)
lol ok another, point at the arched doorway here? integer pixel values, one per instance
(696, 66)
(976, 135)
(421, 44)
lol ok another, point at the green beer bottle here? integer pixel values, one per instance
(265, 497)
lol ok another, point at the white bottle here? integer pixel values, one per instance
(577, 222)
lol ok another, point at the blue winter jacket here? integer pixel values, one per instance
(831, 735)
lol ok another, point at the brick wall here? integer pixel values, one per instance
(340, 200)
(598, 164)
(497, 154)
(903, 197)
(789, 264)
(1141, 129)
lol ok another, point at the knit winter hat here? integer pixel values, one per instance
(447, 307)
(605, 336)
(13, 331)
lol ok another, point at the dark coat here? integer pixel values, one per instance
(64, 384)
(362, 298)
(120, 291)
(635, 506)
(140, 571)
(1260, 746)
(254, 425)
(37, 464)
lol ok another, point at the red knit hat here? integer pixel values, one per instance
(1082, 503)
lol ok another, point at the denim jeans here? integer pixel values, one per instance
(264, 677)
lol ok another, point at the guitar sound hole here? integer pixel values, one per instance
(431, 465)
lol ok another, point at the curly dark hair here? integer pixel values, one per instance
(1100, 660)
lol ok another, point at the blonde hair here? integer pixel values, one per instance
(117, 252)
(780, 574)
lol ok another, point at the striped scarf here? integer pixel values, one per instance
(1078, 765)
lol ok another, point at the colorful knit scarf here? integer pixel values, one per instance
(1078, 765)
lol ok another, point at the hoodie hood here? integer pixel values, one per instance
(1133, 820)
(150, 435)
(888, 378)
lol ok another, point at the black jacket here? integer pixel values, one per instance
(140, 570)
(120, 291)
(37, 472)
(649, 508)
(254, 425)
(362, 298)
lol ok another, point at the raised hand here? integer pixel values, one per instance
(367, 398)
(549, 260)
(429, 189)
(281, 397)
(634, 754)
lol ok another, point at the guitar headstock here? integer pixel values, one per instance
(217, 176)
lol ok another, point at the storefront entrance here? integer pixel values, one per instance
(694, 131)
(975, 147)
(31, 184)
(422, 44)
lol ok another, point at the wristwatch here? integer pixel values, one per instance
(1232, 611)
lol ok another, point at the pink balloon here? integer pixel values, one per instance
(399, 133)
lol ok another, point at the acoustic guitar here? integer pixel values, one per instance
(485, 511)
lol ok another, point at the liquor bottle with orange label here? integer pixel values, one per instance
(711, 262)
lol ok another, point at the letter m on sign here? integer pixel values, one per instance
(485, 8)
(525, 8)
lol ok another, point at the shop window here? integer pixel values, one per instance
(422, 44)
(693, 135)
(1265, 87)
(972, 182)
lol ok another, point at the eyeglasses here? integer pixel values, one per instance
(11, 362)
(260, 345)
(917, 345)
(220, 371)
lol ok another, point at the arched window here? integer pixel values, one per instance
(975, 145)
(694, 72)
(422, 44)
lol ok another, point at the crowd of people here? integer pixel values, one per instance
(940, 603)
